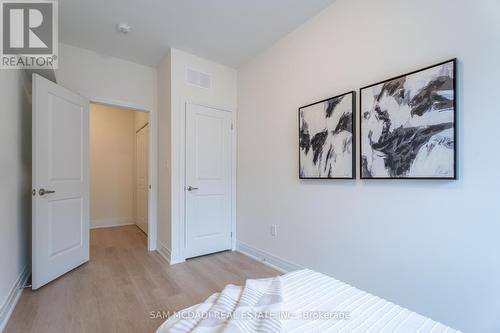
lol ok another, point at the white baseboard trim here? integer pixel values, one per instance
(267, 258)
(164, 252)
(110, 223)
(10, 303)
(174, 261)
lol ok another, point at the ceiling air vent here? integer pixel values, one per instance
(198, 79)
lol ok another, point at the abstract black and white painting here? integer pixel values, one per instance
(408, 125)
(326, 133)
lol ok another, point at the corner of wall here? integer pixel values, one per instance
(164, 211)
(10, 303)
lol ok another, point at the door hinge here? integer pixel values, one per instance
(232, 126)
(231, 235)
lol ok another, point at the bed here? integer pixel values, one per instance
(301, 301)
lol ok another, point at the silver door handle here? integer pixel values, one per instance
(190, 188)
(43, 191)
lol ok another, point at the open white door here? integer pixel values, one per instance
(60, 226)
(208, 180)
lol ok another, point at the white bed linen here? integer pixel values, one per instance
(343, 308)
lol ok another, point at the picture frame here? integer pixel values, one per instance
(408, 125)
(327, 138)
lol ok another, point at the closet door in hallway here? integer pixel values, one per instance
(142, 177)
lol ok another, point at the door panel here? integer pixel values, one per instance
(61, 211)
(209, 216)
(60, 224)
(209, 148)
(65, 134)
(208, 180)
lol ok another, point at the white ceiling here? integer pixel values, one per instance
(230, 32)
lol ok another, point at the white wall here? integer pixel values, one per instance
(117, 82)
(112, 166)
(101, 77)
(164, 157)
(173, 88)
(432, 246)
(15, 183)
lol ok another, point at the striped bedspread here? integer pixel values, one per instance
(302, 301)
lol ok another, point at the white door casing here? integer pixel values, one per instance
(153, 165)
(60, 149)
(208, 191)
(142, 178)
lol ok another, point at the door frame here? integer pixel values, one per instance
(152, 164)
(182, 183)
(136, 163)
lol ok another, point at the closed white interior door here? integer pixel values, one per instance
(142, 178)
(60, 226)
(208, 180)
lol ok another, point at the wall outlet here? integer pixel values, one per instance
(274, 230)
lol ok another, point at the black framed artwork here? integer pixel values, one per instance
(326, 134)
(408, 125)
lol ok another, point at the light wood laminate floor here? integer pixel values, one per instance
(123, 282)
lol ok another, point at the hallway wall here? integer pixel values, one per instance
(112, 171)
